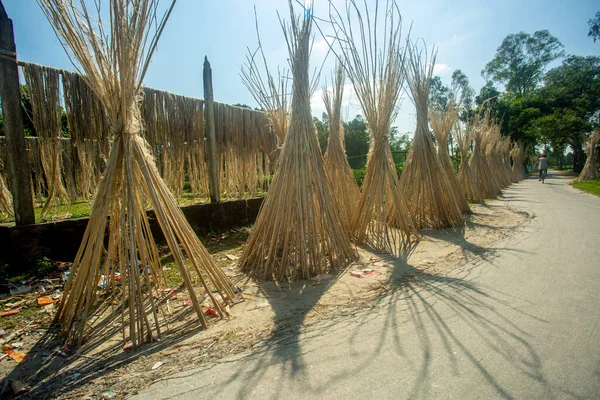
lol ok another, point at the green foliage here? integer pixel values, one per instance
(521, 59)
(356, 137)
(359, 175)
(594, 24)
(322, 131)
(591, 186)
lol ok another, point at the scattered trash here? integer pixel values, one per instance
(236, 289)
(20, 290)
(14, 354)
(2, 333)
(18, 386)
(109, 394)
(186, 303)
(128, 346)
(65, 352)
(157, 365)
(357, 274)
(371, 272)
(211, 311)
(232, 257)
(382, 264)
(15, 304)
(65, 275)
(10, 312)
(45, 300)
(16, 345)
(49, 308)
(238, 300)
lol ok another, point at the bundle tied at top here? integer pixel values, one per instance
(299, 232)
(382, 219)
(114, 60)
(427, 187)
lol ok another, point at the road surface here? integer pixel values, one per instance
(524, 323)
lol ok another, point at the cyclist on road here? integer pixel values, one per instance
(543, 166)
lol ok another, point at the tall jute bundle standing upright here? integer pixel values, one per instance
(590, 169)
(299, 231)
(377, 76)
(427, 187)
(114, 60)
(484, 182)
(517, 154)
(442, 124)
(344, 185)
(466, 178)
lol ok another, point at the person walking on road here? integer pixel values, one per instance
(543, 167)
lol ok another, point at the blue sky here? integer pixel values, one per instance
(466, 31)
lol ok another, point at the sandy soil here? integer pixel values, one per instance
(269, 311)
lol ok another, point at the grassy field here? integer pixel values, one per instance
(592, 186)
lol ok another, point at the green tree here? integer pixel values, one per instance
(521, 59)
(356, 137)
(594, 24)
(322, 131)
(439, 95)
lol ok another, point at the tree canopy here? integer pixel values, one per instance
(521, 59)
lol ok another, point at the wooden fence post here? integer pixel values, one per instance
(18, 165)
(209, 118)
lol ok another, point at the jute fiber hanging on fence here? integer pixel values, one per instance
(6, 202)
(442, 123)
(114, 60)
(590, 169)
(88, 128)
(382, 219)
(299, 231)
(427, 186)
(239, 134)
(466, 178)
(336, 163)
(44, 92)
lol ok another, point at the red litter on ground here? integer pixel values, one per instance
(211, 311)
(10, 312)
(357, 274)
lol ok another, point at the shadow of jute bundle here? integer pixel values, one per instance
(427, 187)
(43, 86)
(466, 176)
(590, 169)
(442, 124)
(382, 219)
(343, 182)
(299, 232)
(114, 61)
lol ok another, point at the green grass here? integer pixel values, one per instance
(592, 186)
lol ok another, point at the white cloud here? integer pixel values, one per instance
(441, 69)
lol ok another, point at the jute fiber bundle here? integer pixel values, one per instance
(488, 149)
(442, 123)
(493, 151)
(114, 60)
(535, 160)
(6, 202)
(271, 93)
(336, 163)
(43, 86)
(88, 128)
(241, 160)
(37, 171)
(382, 219)
(517, 154)
(299, 231)
(433, 200)
(466, 176)
(483, 179)
(590, 169)
(505, 154)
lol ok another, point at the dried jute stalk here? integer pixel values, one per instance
(442, 124)
(114, 60)
(299, 232)
(336, 163)
(6, 201)
(466, 176)
(590, 169)
(382, 219)
(427, 186)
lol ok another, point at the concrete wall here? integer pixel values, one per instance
(60, 240)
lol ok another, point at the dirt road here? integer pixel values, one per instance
(523, 323)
